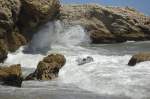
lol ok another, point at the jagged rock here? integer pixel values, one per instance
(35, 13)
(11, 75)
(107, 24)
(48, 68)
(18, 17)
(9, 12)
(141, 57)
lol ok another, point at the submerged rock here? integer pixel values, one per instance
(48, 68)
(82, 61)
(141, 57)
(108, 24)
(11, 75)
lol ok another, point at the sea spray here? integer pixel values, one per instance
(107, 75)
(53, 37)
(54, 33)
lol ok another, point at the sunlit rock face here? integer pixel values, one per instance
(48, 68)
(140, 57)
(108, 24)
(11, 75)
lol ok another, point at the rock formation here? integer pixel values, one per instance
(48, 68)
(11, 75)
(35, 13)
(10, 38)
(107, 24)
(140, 57)
(19, 19)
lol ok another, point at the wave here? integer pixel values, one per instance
(107, 75)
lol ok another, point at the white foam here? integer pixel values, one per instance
(53, 37)
(26, 60)
(106, 75)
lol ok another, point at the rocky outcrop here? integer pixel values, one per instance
(9, 12)
(141, 57)
(11, 75)
(107, 24)
(34, 13)
(19, 17)
(48, 68)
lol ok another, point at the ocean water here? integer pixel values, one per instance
(107, 77)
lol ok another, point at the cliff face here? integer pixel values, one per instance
(35, 13)
(10, 38)
(108, 24)
(18, 20)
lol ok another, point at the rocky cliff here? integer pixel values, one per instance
(20, 18)
(108, 24)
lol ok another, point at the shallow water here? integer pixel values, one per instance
(50, 90)
(108, 77)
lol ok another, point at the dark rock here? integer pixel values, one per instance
(3, 51)
(35, 13)
(82, 61)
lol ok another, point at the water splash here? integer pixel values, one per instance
(107, 75)
(54, 33)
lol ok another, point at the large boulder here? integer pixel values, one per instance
(35, 13)
(107, 24)
(48, 68)
(137, 58)
(11, 75)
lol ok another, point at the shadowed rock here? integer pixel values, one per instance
(10, 37)
(35, 13)
(19, 19)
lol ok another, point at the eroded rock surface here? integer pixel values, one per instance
(108, 24)
(35, 13)
(19, 19)
(48, 68)
(140, 57)
(11, 75)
